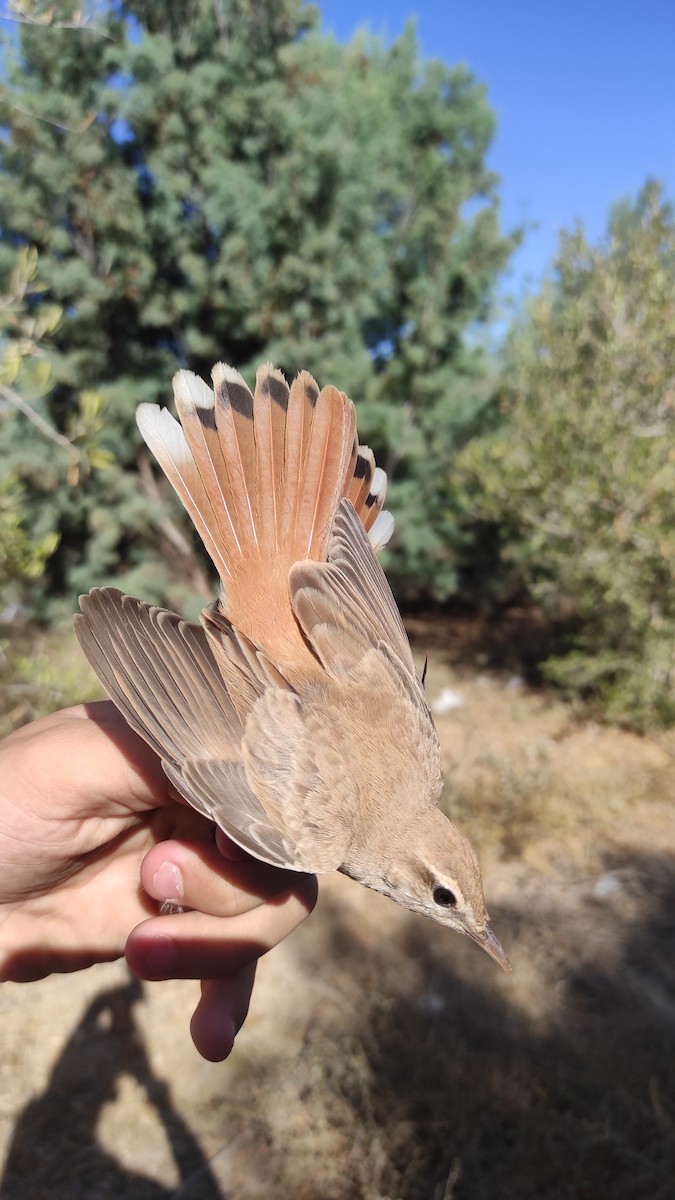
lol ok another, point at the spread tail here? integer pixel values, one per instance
(262, 474)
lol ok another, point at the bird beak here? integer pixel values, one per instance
(492, 946)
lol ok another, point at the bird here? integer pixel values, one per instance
(292, 714)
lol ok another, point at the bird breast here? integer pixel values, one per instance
(376, 746)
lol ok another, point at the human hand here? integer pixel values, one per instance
(92, 837)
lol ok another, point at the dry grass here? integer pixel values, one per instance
(385, 1059)
(40, 671)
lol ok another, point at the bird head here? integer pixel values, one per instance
(436, 873)
(447, 887)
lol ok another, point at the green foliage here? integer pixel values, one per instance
(25, 381)
(232, 184)
(579, 477)
(20, 556)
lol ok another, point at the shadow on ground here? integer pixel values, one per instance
(459, 1088)
(418, 1073)
(55, 1151)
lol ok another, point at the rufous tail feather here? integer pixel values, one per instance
(261, 476)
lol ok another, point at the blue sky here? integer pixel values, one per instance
(584, 95)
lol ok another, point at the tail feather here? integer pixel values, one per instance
(327, 459)
(168, 443)
(233, 420)
(262, 476)
(270, 407)
(367, 492)
(364, 470)
(381, 530)
(196, 409)
(302, 401)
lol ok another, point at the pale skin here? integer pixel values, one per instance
(93, 840)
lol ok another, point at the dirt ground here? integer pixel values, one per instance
(384, 1059)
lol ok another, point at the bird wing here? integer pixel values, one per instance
(162, 675)
(219, 788)
(345, 606)
(280, 756)
(275, 804)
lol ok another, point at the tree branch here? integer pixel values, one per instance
(45, 428)
(85, 123)
(24, 18)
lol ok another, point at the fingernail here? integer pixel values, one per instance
(168, 882)
(162, 956)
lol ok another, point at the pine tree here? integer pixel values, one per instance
(220, 180)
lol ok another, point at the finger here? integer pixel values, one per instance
(228, 848)
(221, 1012)
(196, 875)
(115, 767)
(191, 945)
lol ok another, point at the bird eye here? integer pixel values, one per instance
(444, 897)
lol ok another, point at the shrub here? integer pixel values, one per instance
(579, 476)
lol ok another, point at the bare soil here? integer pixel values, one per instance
(384, 1059)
